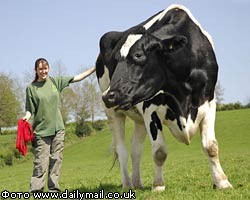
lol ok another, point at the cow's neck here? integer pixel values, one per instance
(178, 107)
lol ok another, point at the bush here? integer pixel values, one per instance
(17, 153)
(82, 129)
(230, 106)
(99, 125)
(2, 162)
(9, 155)
(8, 132)
(70, 134)
(9, 159)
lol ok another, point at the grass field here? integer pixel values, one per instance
(87, 163)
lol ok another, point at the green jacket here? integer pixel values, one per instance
(43, 102)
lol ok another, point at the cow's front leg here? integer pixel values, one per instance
(117, 127)
(136, 151)
(153, 125)
(159, 151)
(210, 147)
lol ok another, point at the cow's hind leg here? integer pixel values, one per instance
(136, 151)
(117, 126)
(210, 147)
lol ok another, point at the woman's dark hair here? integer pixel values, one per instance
(38, 61)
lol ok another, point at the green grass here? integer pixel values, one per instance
(87, 163)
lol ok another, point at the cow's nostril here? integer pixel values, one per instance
(110, 99)
(111, 96)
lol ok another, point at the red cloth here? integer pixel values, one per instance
(24, 135)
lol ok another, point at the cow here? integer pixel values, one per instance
(161, 71)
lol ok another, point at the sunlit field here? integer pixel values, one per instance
(87, 164)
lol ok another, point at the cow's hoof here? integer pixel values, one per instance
(127, 185)
(159, 188)
(138, 186)
(137, 183)
(225, 184)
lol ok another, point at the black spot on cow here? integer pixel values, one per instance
(170, 115)
(155, 124)
(194, 112)
(159, 99)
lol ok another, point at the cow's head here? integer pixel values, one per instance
(141, 69)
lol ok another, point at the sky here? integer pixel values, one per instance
(68, 31)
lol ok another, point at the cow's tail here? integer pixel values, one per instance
(115, 158)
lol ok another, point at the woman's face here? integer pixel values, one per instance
(42, 71)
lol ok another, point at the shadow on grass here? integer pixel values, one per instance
(107, 187)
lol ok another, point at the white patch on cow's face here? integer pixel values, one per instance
(156, 18)
(106, 91)
(104, 80)
(129, 43)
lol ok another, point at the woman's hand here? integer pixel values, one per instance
(27, 116)
(83, 75)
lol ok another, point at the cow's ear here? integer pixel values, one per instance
(151, 42)
(174, 43)
(108, 42)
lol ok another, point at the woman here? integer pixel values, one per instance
(43, 102)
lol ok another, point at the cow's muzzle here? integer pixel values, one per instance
(111, 98)
(116, 99)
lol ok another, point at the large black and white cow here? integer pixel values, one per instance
(162, 71)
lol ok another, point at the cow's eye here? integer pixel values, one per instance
(139, 57)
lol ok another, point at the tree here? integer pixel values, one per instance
(67, 95)
(88, 98)
(58, 68)
(80, 105)
(21, 85)
(10, 106)
(248, 104)
(80, 111)
(219, 92)
(93, 97)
